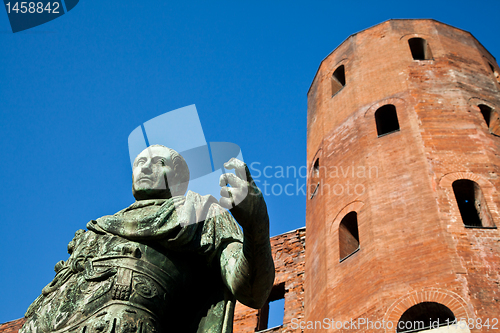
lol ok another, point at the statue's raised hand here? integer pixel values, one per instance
(243, 198)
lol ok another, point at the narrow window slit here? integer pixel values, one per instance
(495, 72)
(491, 119)
(472, 204)
(314, 183)
(338, 79)
(486, 112)
(348, 235)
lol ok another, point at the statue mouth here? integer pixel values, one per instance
(144, 179)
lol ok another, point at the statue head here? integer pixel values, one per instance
(159, 173)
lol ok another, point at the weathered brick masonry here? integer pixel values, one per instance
(289, 259)
(12, 326)
(413, 244)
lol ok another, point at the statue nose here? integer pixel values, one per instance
(146, 167)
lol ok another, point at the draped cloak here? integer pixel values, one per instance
(152, 267)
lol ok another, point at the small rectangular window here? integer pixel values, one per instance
(420, 49)
(386, 119)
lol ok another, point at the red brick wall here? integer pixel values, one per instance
(289, 259)
(12, 326)
(413, 244)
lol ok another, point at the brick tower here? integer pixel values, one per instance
(403, 156)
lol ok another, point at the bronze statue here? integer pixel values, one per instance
(168, 263)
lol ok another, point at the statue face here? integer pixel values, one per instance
(152, 173)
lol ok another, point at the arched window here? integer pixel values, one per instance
(491, 119)
(348, 235)
(314, 183)
(425, 316)
(338, 79)
(495, 72)
(420, 49)
(486, 112)
(386, 119)
(315, 170)
(472, 204)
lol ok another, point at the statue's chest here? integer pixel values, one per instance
(141, 270)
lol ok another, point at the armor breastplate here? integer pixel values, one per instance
(123, 289)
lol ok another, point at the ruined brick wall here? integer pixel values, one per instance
(289, 260)
(12, 326)
(413, 245)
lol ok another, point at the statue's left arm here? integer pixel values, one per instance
(247, 269)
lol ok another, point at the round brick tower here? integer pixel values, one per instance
(403, 153)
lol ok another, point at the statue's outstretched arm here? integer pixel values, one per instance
(247, 269)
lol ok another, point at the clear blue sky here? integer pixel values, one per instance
(73, 89)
